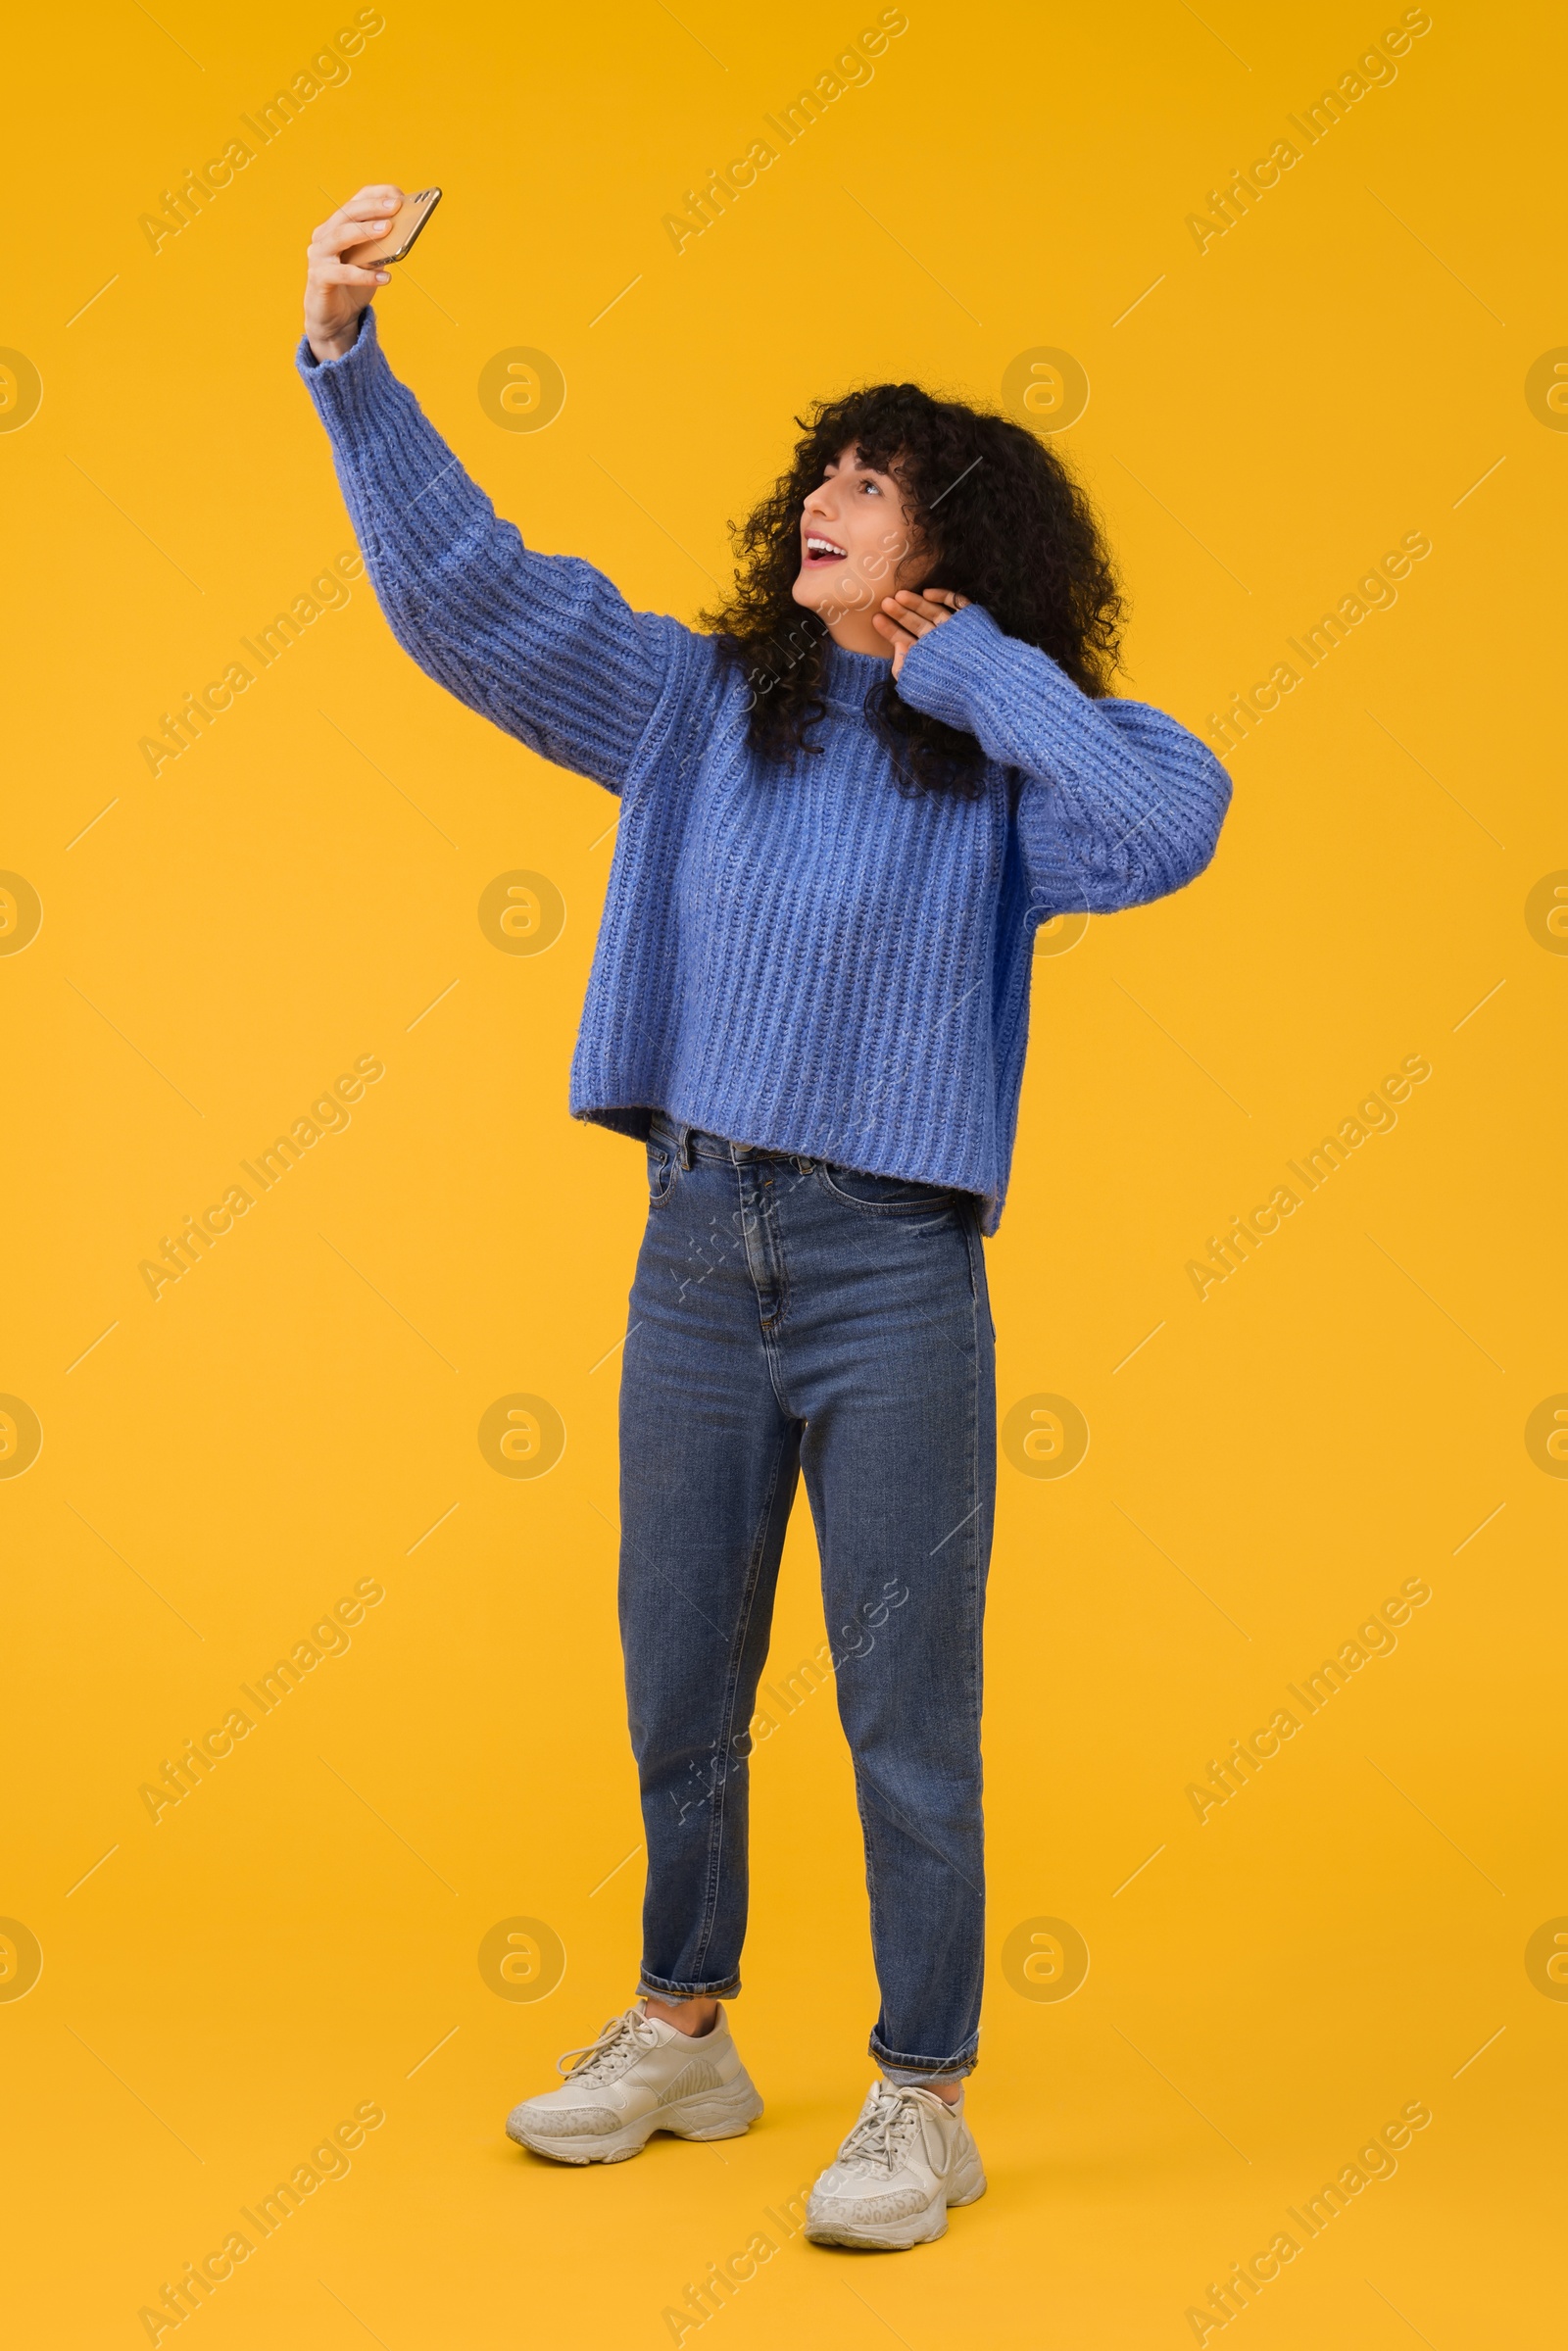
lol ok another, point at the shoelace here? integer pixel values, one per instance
(621, 2037)
(880, 2137)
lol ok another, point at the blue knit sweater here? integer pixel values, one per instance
(801, 957)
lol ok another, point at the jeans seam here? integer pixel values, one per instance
(716, 1842)
(978, 1552)
(770, 1326)
(976, 1635)
(775, 1236)
(775, 1361)
(871, 1906)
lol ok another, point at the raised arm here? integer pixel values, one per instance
(1121, 804)
(543, 645)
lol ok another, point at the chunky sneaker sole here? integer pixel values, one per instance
(640, 2075)
(908, 2161)
(913, 2229)
(724, 2112)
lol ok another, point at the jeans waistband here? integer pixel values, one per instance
(690, 1142)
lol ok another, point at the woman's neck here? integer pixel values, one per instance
(854, 633)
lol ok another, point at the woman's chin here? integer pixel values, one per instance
(833, 594)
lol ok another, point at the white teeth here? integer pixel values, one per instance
(822, 546)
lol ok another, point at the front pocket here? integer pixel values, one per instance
(896, 1196)
(660, 1174)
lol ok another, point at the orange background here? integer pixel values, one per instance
(298, 1415)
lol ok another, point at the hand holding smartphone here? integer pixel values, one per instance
(349, 258)
(397, 241)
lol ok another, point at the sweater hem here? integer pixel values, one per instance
(635, 1120)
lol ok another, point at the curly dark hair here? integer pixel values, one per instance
(1005, 523)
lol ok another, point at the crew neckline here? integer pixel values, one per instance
(848, 677)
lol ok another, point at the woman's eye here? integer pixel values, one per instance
(874, 489)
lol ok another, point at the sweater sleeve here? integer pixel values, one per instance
(1119, 804)
(543, 645)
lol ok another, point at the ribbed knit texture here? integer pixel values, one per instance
(798, 956)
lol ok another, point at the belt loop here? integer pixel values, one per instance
(683, 1144)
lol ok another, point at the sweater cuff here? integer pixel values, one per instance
(942, 669)
(344, 389)
(962, 669)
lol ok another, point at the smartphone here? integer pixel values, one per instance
(396, 241)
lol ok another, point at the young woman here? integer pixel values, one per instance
(847, 805)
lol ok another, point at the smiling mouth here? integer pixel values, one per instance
(823, 551)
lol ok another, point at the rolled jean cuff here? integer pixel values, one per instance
(918, 2073)
(723, 1990)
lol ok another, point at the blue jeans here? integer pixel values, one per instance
(786, 1315)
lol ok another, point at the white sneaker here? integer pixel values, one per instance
(639, 2077)
(909, 2157)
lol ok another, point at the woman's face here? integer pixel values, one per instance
(857, 541)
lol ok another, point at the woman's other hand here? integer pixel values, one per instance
(906, 616)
